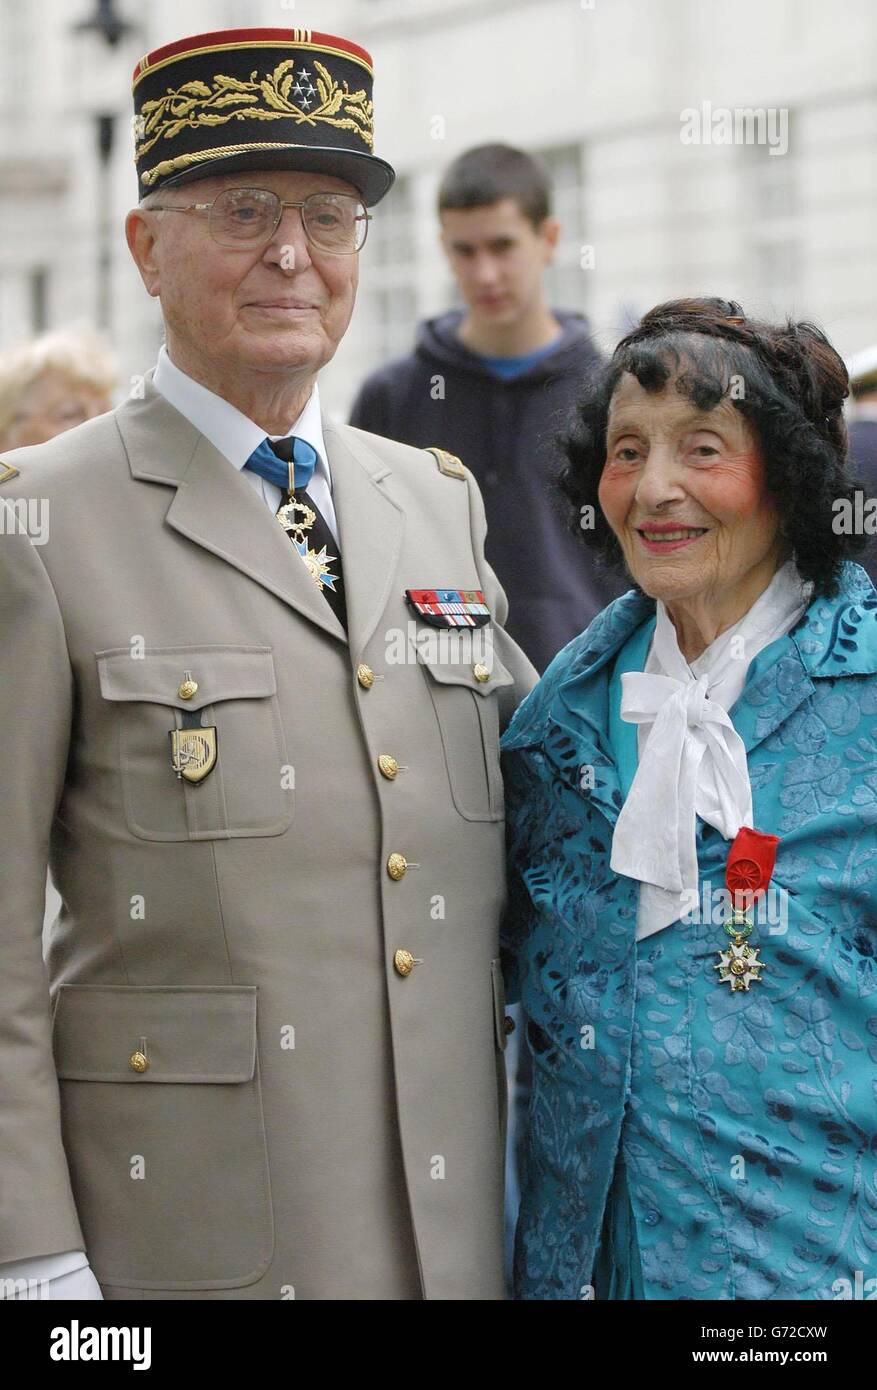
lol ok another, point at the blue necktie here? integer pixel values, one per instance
(271, 461)
(269, 465)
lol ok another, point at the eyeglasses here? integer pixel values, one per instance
(335, 223)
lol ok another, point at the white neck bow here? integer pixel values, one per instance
(692, 761)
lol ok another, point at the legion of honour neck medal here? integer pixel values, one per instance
(747, 874)
(297, 517)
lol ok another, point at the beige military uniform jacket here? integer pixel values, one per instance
(232, 1084)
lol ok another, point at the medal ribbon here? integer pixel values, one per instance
(747, 874)
(750, 865)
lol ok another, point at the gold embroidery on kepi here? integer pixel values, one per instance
(288, 98)
(7, 471)
(195, 104)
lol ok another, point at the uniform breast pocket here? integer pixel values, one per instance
(467, 710)
(231, 694)
(162, 1122)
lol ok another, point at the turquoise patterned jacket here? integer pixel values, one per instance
(746, 1120)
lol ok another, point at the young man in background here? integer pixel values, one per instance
(495, 382)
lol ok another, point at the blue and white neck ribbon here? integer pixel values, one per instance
(266, 463)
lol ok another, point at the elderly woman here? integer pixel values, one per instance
(692, 802)
(51, 383)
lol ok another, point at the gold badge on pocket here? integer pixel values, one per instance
(193, 752)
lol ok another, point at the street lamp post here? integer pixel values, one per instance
(111, 28)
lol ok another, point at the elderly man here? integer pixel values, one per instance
(255, 681)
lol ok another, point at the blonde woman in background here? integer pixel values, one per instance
(53, 382)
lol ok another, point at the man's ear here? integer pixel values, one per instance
(140, 234)
(550, 233)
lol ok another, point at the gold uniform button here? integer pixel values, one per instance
(388, 765)
(396, 865)
(365, 675)
(508, 1024)
(138, 1061)
(404, 962)
(481, 672)
(187, 689)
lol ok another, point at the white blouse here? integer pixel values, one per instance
(691, 760)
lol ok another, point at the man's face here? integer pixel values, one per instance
(498, 258)
(268, 308)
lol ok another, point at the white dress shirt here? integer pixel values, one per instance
(68, 1276)
(691, 760)
(236, 436)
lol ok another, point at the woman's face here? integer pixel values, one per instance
(683, 490)
(50, 405)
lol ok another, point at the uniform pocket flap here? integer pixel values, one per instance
(482, 676)
(192, 1033)
(221, 673)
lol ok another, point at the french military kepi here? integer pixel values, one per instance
(257, 99)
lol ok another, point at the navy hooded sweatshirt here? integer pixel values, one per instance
(505, 432)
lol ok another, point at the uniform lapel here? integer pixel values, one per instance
(215, 507)
(370, 525)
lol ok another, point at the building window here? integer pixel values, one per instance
(771, 191)
(390, 278)
(566, 282)
(16, 60)
(39, 299)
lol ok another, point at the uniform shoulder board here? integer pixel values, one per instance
(7, 471)
(448, 463)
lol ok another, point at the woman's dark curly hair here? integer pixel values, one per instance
(793, 389)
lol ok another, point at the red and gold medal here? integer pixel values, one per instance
(747, 874)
